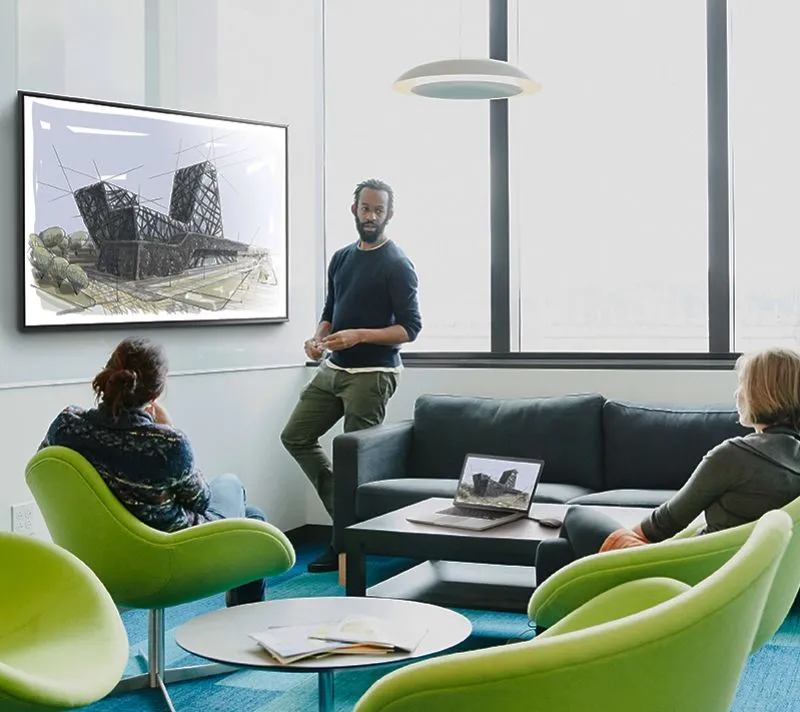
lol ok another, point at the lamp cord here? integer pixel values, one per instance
(460, 25)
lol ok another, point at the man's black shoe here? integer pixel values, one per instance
(329, 561)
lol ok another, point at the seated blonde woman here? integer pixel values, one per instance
(735, 483)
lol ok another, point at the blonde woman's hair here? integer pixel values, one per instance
(769, 382)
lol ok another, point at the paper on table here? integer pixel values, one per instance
(287, 644)
(290, 643)
(369, 630)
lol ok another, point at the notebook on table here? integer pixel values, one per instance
(491, 491)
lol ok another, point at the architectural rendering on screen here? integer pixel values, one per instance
(498, 482)
(138, 215)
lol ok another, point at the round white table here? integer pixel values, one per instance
(223, 635)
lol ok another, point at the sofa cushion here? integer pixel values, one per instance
(376, 498)
(559, 494)
(626, 498)
(564, 431)
(659, 447)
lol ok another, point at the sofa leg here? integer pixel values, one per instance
(342, 569)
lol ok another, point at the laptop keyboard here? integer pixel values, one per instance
(473, 513)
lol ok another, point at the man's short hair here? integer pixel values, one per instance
(375, 184)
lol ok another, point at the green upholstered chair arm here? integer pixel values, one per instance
(241, 549)
(689, 531)
(62, 642)
(684, 557)
(624, 600)
(685, 653)
(688, 560)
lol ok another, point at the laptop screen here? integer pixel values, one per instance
(500, 483)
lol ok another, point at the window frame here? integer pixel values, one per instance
(504, 330)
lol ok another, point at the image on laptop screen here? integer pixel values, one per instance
(498, 482)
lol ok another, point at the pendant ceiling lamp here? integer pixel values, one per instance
(469, 78)
(466, 79)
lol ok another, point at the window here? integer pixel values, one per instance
(609, 176)
(434, 154)
(764, 118)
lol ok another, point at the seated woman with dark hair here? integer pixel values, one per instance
(735, 483)
(146, 462)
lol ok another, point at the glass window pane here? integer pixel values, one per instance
(434, 153)
(609, 176)
(765, 144)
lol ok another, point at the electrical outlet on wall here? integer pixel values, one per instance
(22, 518)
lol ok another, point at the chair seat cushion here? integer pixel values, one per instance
(376, 498)
(626, 498)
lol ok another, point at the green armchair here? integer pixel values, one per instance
(689, 559)
(652, 644)
(62, 642)
(145, 568)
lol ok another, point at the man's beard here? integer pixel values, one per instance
(370, 237)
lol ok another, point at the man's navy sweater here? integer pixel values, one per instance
(371, 289)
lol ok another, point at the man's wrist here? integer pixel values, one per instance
(323, 329)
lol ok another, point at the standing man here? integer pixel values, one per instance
(371, 308)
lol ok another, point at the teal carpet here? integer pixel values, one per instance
(771, 681)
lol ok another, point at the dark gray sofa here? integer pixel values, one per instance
(596, 450)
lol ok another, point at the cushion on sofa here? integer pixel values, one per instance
(563, 431)
(658, 448)
(559, 494)
(626, 498)
(376, 498)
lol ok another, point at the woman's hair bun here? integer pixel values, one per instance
(134, 374)
(124, 379)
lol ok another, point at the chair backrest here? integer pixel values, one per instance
(62, 641)
(689, 559)
(139, 565)
(38, 577)
(84, 516)
(786, 585)
(654, 644)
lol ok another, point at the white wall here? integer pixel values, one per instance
(231, 386)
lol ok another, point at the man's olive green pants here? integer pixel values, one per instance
(360, 397)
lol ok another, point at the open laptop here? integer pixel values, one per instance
(491, 491)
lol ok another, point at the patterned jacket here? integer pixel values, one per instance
(147, 465)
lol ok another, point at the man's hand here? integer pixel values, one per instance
(342, 339)
(314, 349)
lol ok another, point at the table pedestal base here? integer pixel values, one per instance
(325, 690)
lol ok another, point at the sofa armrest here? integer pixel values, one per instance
(376, 453)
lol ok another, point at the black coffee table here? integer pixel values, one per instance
(492, 569)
